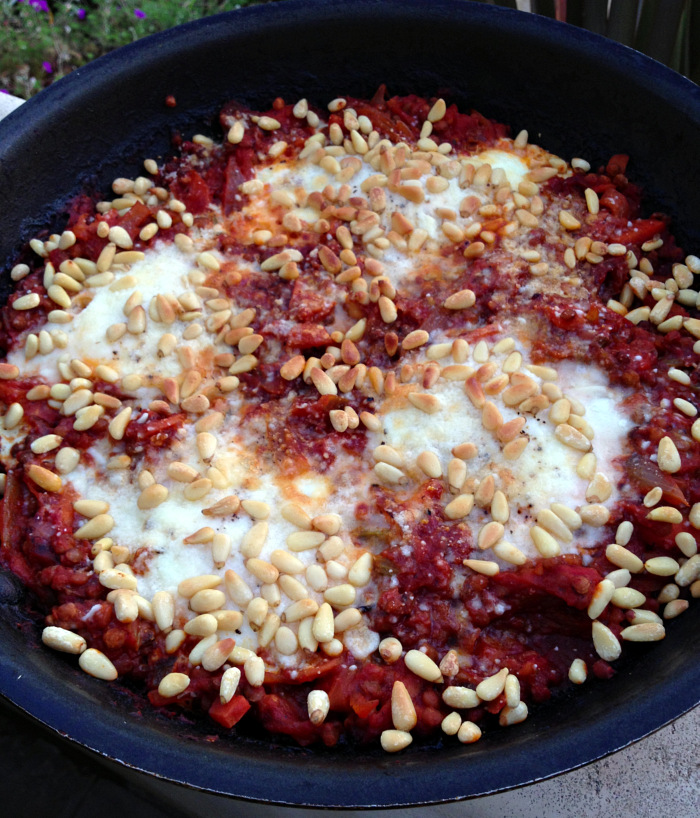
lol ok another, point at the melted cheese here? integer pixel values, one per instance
(546, 471)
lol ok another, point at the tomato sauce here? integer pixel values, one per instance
(532, 618)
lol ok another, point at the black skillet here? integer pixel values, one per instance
(577, 94)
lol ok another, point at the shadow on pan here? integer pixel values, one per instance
(578, 95)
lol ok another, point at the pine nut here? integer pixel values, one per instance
(96, 664)
(360, 573)
(95, 528)
(256, 509)
(44, 478)
(254, 540)
(668, 458)
(393, 741)
(347, 619)
(605, 642)
(509, 553)
(420, 664)
(163, 609)
(118, 424)
(237, 588)
(638, 616)
(662, 566)
(492, 687)
(513, 715)
(451, 723)
(578, 672)
(469, 732)
(196, 654)
(305, 540)
(553, 524)
(429, 464)
(63, 640)
(217, 654)
(300, 610)
(207, 600)
(628, 598)
(675, 608)
(115, 579)
(173, 685)
(624, 558)
(91, 508)
(189, 587)
(462, 698)
(324, 626)
(152, 496)
(643, 632)
(174, 640)
(229, 684)
(460, 300)
(318, 705)
(340, 595)
(254, 670)
(403, 712)
(602, 595)
(688, 572)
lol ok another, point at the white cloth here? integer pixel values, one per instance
(8, 103)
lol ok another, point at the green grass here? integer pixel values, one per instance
(42, 41)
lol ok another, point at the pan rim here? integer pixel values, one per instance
(59, 716)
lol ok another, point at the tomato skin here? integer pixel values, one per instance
(284, 715)
(193, 191)
(641, 230)
(307, 336)
(230, 713)
(616, 203)
(136, 217)
(647, 475)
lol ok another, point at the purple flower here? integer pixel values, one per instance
(47, 67)
(140, 14)
(4, 91)
(80, 14)
(39, 5)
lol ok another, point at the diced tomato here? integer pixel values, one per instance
(284, 715)
(238, 170)
(306, 336)
(531, 618)
(615, 202)
(642, 230)
(617, 164)
(647, 475)
(231, 713)
(193, 191)
(134, 219)
(307, 305)
(363, 707)
(570, 582)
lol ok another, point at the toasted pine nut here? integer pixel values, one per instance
(96, 664)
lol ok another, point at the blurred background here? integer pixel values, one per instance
(43, 40)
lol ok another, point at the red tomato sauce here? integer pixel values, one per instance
(532, 618)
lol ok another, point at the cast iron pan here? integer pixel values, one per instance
(578, 95)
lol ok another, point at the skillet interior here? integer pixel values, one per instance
(577, 94)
